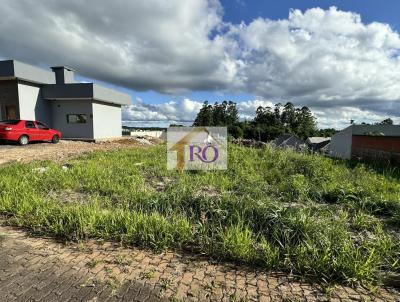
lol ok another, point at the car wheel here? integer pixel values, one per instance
(55, 139)
(23, 140)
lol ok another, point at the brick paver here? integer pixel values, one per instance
(40, 269)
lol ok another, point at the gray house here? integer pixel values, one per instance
(316, 143)
(79, 110)
(290, 141)
(377, 142)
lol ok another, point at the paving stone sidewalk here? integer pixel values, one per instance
(40, 269)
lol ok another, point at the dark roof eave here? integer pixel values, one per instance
(84, 99)
(68, 99)
(109, 102)
(21, 79)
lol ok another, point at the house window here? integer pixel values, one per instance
(76, 118)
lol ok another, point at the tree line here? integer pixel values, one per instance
(268, 123)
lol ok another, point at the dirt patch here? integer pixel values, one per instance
(207, 191)
(158, 184)
(69, 196)
(66, 149)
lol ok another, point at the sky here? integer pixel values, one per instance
(340, 58)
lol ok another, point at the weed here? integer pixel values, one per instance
(82, 247)
(319, 218)
(173, 298)
(114, 284)
(121, 260)
(166, 284)
(93, 263)
(210, 286)
(148, 274)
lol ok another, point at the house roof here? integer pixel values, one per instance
(317, 139)
(325, 146)
(79, 91)
(293, 141)
(12, 69)
(376, 130)
(321, 145)
(288, 140)
(279, 140)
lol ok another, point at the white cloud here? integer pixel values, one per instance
(248, 108)
(340, 117)
(183, 112)
(320, 58)
(154, 44)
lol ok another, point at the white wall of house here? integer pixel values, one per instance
(340, 145)
(62, 108)
(107, 120)
(31, 105)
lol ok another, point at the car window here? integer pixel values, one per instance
(10, 122)
(30, 125)
(41, 125)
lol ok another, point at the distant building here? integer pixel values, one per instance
(161, 134)
(373, 142)
(325, 149)
(317, 143)
(79, 110)
(155, 132)
(290, 141)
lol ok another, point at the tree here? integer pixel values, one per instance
(236, 131)
(305, 123)
(387, 121)
(205, 116)
(264, 115)
(277, 114)
(232, 113)
(218, 114)
(224, 114)
(268, 123)
(288, 116)
(329, 132)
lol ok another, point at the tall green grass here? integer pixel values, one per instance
(273, 209)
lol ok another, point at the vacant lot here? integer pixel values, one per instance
(304, 214)
(63, 150)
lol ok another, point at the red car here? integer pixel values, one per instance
(24, 132)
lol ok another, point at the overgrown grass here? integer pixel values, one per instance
(281, 210)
